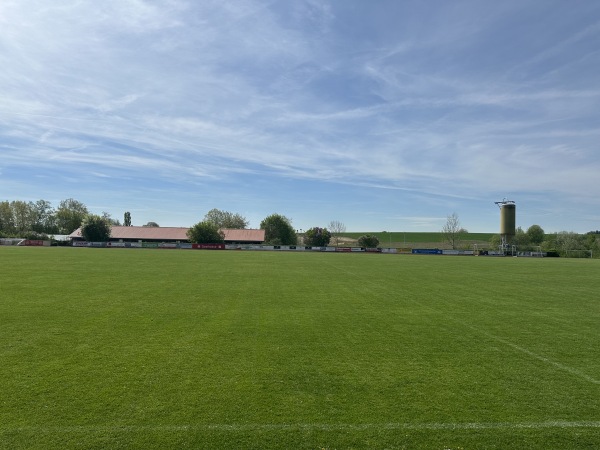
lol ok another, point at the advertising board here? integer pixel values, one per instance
(450, 252)
(34, 243)
(426, 251)
(209, 246)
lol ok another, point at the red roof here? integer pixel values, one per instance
(243, 235)
(174, 234)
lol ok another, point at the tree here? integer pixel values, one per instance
(591, 243)
(127, 219)
(278, 230)
(368, 241)
(550, 244)
(336, 227)
(151, 224)
(567, 240)
(23, 216)
(452, 231)
(114, 222)
(495, 241)
(95, 228)
(205, 233)
(520, 239)
(536, 234)
(225, 219)
(317, 237)
(69, 215)
(7, 221)
(44, 217)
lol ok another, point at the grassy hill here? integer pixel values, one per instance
(401, 239)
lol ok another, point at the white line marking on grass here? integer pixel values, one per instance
(558, 365)
(311, 427)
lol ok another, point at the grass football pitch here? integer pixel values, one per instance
(125, 348)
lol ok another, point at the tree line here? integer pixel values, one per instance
(278, 231)
(39, 219)
(532, 239)
(33, 219)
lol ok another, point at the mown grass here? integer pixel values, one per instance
(107, 348)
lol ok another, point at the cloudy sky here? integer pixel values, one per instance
(384, 115)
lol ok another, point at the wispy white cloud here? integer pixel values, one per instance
(423, 100)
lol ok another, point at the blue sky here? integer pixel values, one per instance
(384, 115)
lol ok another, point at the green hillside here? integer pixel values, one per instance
(413, 239)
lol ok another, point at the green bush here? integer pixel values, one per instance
(278, 230)
(317, 237)
(368, 241)
(95, 228)
(205, 233)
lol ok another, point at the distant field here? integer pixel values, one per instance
(399, 238)
(108, 348)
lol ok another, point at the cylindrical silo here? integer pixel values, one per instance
(508, 217)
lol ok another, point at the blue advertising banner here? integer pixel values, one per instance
(426, 251)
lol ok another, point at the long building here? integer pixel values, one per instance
(173, 235)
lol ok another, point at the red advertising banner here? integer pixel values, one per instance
(209, 246)
(33, 243)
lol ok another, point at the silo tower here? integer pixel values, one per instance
(508, 210)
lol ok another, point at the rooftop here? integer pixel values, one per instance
(173, 234)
